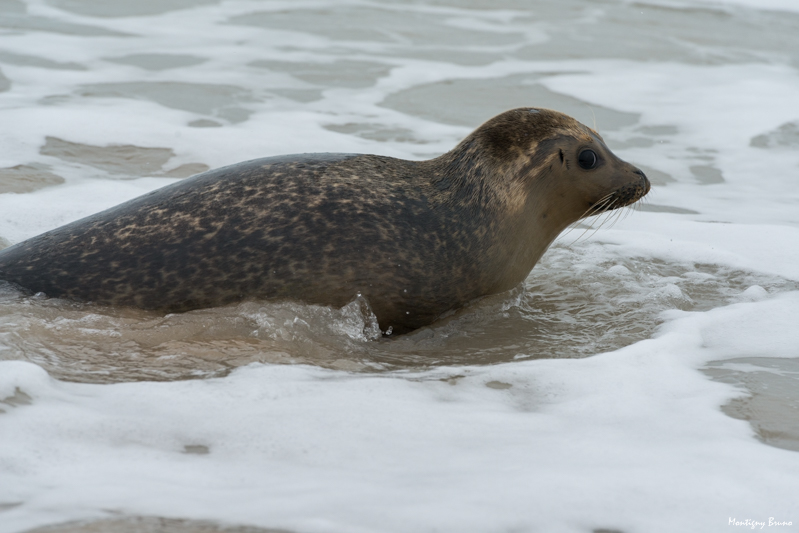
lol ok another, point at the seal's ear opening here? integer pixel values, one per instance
(561, 155)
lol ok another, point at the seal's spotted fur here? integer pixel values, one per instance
(416, 239)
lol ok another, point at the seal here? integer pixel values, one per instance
(416, 239)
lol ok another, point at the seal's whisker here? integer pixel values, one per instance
(592, 229)
(601, 206)
(617, 216)
(638, 205)
(597, 208)
(589, 228)
(627, 210)
(613, 219)
(603, 200)
(610, 215)
(592, 114)
(606, 206)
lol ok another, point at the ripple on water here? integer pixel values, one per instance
(150, 524)
(125, 8)
(575, 303)
(158, 61)
(379, 24)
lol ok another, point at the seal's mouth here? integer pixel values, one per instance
(622, 197)
(629, 194)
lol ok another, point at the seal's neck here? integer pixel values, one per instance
(524, 236)
(513, 221)
(466, 178)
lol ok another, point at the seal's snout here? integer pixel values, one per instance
(635, 188)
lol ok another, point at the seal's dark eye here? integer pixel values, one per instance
(587, 159)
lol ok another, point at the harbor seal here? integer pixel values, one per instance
(415, 239)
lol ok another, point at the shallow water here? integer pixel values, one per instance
(646, 367)
(571, 306)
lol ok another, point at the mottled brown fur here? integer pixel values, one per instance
(416, 239)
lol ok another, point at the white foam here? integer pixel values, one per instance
(317, 450)
(764, 5)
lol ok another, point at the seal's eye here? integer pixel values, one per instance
(587, 159)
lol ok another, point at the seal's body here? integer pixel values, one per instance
(415, 239)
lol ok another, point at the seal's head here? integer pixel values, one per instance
(544, 155)
(532, 173)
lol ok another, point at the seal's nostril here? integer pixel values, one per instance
(640, 173)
